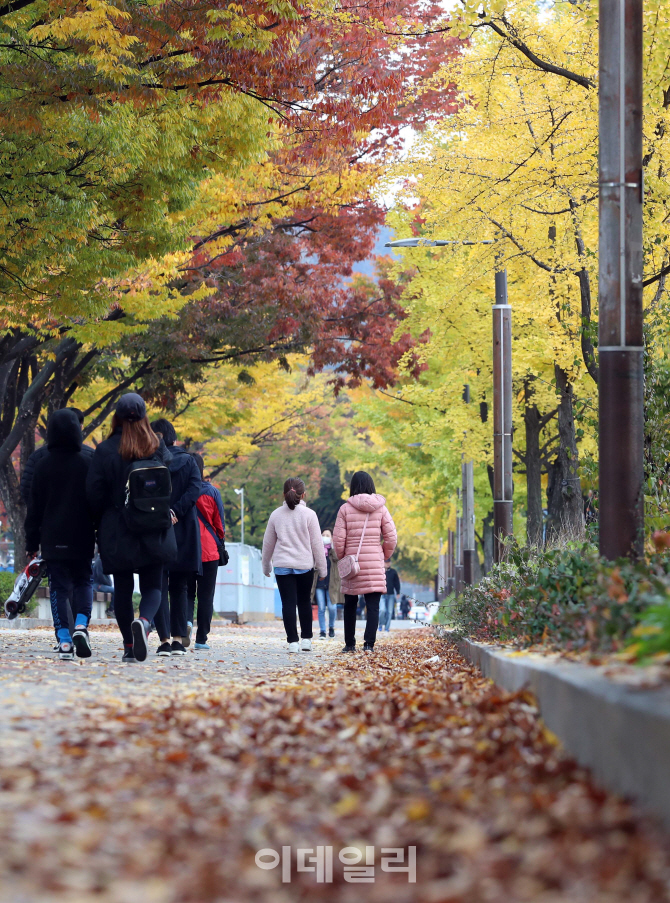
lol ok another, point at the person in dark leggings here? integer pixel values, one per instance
(293, 544)
(122, 551)
(209, 508)
(186, 484)
(150, 590)
(365, 533)
(295, 589)
(371, 621)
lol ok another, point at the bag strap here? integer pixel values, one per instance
(210, 529)
(360, 544)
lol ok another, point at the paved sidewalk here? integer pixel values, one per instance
(161, 782)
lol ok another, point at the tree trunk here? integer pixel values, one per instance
(16, 512)
(566, 508)
(533, 462)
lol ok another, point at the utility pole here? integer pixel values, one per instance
(469, 549)
(502, 417)
(240, 492)
(620, 337)
(458, 553)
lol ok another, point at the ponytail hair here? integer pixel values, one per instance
(138, 440)
(294, 489)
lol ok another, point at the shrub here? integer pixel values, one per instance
(568, 598)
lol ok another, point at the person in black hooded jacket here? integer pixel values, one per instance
(172, 619)
(41, 452)
(123, 552)
(59, 522)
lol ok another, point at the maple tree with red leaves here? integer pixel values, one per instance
(335, 85)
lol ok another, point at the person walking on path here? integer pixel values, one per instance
(59, 522)
(172, 618)
(41, 452)
(323, 598)
(389, 598)
(293, 544)
(212, 534)
(364, 530)
(132, 451)
(102, 583)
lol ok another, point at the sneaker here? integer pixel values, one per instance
(128, 655)
(164, 649)
(331, 632)
(201, 646)
(306, 645)
(368, 647)
(294, 647)
(65, 651)
(186, 640)
(140, 645)
(349, 649)
(322, 635)
(81, 642)
(177, 648)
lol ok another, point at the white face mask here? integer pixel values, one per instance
(326, 541)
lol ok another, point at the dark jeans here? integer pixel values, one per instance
(70, 581)
(371, 624)
(150, 588)
(296, 592)
(171, 617)
(203, 585)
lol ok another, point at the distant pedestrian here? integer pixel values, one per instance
(323, 598)
(172, 617)
(293, 544)
(389, 599)
(128, 489)
(102, 583)
(212, 534)
(59, 521)
(365, 532)
(404, 606)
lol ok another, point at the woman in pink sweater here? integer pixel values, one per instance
(364, 510)
(293, 544)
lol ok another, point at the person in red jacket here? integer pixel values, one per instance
(210, 517)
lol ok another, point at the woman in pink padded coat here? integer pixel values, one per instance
(364, 508)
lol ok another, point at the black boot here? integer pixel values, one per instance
(349, 648)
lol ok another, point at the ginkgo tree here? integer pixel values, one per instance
(517, 165)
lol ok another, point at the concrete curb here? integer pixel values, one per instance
(620, 733)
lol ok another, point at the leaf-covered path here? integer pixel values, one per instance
(160, 783)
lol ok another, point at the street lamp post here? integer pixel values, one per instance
(240, 492)
(502, 416)
(620, 337)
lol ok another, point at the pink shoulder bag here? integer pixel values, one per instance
(349, 566)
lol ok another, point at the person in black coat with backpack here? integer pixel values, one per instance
(135, 531)
(172, 619)
(59, 522)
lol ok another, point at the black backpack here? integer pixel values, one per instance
(148, 491)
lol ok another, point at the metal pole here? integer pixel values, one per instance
(458, 564)
(240, 492)
(469, 550)
(450, 561)
(620, 337)
(502, 417)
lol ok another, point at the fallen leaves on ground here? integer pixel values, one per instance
(169, 800)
